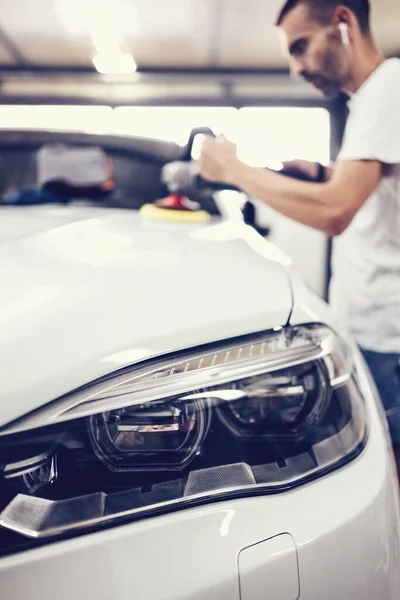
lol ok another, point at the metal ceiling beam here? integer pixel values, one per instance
(57, 70)
(214, 36)
(235, 102)
(18, 57)
(26, 68)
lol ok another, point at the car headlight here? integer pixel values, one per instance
(254, 415)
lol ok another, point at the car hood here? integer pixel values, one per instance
(86, 291)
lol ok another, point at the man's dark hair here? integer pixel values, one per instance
(322, 10)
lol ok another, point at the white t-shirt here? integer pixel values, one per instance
(365, 288)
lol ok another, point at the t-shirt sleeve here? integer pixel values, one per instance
(373, 127)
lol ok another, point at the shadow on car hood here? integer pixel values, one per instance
(86, 291)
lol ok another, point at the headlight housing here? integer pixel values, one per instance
(254, 415)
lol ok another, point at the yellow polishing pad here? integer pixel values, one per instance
(156, 213)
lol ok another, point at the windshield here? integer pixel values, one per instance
(135, 169)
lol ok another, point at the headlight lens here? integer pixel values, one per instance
(152, 436)
(252, 416)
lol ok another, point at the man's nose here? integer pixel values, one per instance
(296, 67)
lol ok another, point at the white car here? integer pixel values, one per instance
(180, 417)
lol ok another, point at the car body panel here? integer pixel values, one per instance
(87, 291)
(345, 528)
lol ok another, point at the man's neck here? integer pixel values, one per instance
(368, 58)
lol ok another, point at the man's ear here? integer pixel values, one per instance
(345, 21)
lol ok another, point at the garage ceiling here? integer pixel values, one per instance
(161, 34)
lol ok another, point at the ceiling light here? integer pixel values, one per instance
(114, 63)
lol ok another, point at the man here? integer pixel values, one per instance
(330, 45)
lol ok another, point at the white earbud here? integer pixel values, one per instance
(344, 33)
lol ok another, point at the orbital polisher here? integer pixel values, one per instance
(182, 180)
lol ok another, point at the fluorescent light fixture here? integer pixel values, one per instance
(104, 30)
(115, 63)
(103, 25)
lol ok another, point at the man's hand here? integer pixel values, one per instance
(217, 159)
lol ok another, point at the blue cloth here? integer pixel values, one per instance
(28, 197)
(385, 369)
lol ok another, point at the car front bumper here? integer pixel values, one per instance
(342, 535)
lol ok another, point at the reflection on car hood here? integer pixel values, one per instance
(86, 291)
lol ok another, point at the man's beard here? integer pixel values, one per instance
(330, 76)
(330, 87)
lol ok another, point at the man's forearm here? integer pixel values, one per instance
(307, 203)
(329, 206)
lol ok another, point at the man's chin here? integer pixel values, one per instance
(330, 94)
(329, 91)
